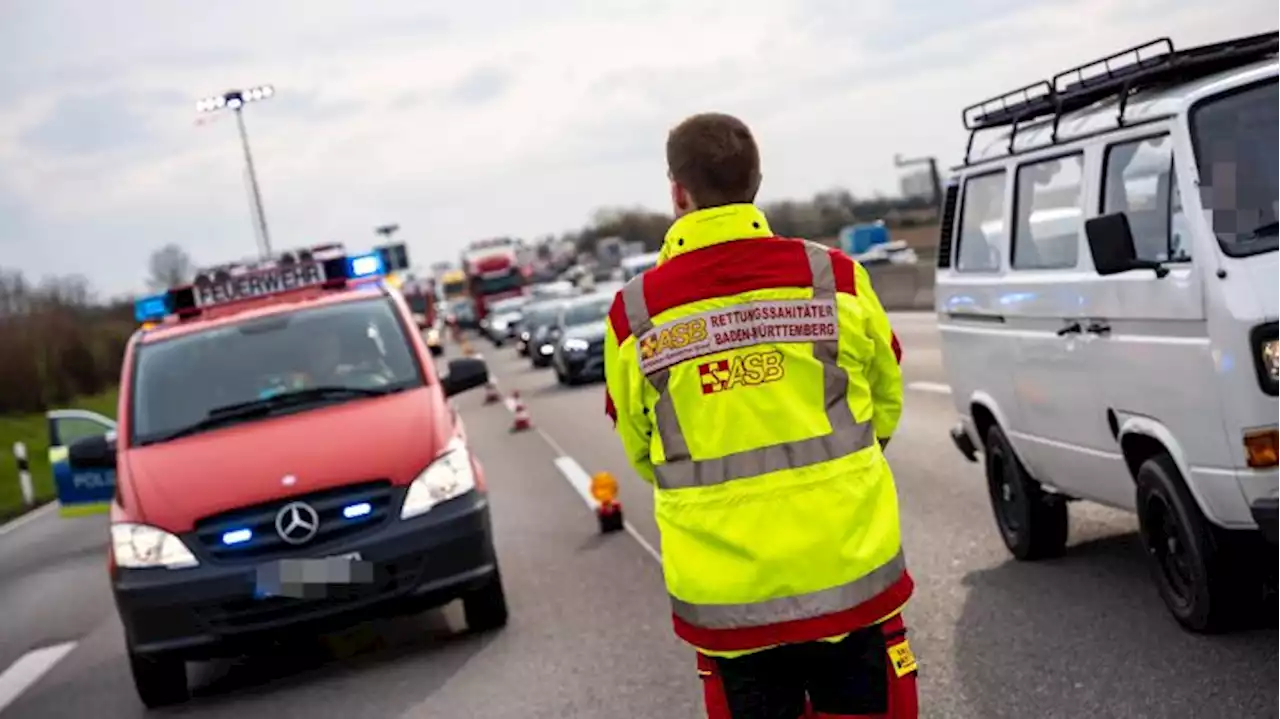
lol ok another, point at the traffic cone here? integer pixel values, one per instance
(522, 420)
(491, 393)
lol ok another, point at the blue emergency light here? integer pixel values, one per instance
(362, 267)
(357, 510)
(236, 536)
(151, 309)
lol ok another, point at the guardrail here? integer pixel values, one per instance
(905, 287)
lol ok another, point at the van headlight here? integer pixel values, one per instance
(449, 476)
(1266, 356)
(576, 345)
(139, 546)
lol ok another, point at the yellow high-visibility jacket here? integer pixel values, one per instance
(749, 378)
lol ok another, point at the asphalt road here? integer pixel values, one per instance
(1082, 636)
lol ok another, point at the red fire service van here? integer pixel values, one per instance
(286, 458)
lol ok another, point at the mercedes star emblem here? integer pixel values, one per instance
(297, 522)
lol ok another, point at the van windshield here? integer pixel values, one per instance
(269, 365)
(1234, 135)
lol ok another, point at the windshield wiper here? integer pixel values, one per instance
(300, 396)
(232, 413)
(1270, 228)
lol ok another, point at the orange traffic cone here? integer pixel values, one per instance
(491, 393)
(522, 420)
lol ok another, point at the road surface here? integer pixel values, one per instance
(590, 634)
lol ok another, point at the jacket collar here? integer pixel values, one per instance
(713, 226)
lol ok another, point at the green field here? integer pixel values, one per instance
(32, 430)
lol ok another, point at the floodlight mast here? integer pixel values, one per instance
(934, 178)
(235, 100)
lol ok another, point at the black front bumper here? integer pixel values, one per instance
(1264, 512)
(214, 610)
(581, 366)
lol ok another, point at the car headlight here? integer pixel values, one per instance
(576, 345)
(1266, 356)
(138, 546)
(524, 336)
(546, 350)
(433, 336)
(449, 476)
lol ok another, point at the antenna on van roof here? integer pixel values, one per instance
(1120, 75)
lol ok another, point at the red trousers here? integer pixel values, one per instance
(869, 674)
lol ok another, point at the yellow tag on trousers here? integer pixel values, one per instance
(904, 662)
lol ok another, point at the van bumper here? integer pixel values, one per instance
(964, 443)
(1264, 512)
(216, 610)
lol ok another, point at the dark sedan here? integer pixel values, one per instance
(579, 352)
(541, 331)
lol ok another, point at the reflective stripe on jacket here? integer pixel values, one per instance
(749, 377)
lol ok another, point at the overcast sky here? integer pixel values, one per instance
(492, 117)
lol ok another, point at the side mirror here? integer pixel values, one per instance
(1111, 244)
(464, 373)
(93, 452)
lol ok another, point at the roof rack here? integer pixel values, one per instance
(1120, 75)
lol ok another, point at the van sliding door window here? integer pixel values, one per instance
(1047, 205)
(982, 228)
(1139, 182)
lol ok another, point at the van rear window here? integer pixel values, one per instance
(982, 229)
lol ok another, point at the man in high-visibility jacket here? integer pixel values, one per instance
(754, 381)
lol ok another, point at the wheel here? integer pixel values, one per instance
(159, 682)
(1032, 522)
(485, 608)
(563, 378)
(1202, 571)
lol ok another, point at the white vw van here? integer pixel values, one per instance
(1107, 298)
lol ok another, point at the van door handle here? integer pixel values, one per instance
(1098, 328)
(1071, 329)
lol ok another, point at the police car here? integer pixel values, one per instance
(286, 458)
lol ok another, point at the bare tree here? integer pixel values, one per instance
(170, 266)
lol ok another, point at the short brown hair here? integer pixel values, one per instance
(715, 158)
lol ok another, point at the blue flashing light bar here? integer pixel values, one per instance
(366, 266)
(236, 536)
(151, 309)
(357, 510)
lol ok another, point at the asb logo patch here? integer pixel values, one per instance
(747, 370)
(674, 337)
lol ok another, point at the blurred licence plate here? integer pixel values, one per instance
(312, 578)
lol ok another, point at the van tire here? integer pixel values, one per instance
(1033, 523)
(1203, 584)
(485, 608)
(159, 681)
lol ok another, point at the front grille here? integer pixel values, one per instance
(390, 579)
(259, 523)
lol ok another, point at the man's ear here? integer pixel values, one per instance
(680, 198)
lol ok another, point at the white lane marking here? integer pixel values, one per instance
(935, 387)
(28, 517)
(28, 669)
(578, 479)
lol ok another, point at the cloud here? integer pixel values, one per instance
(482, 85)
(83, 124)
(471, 120)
